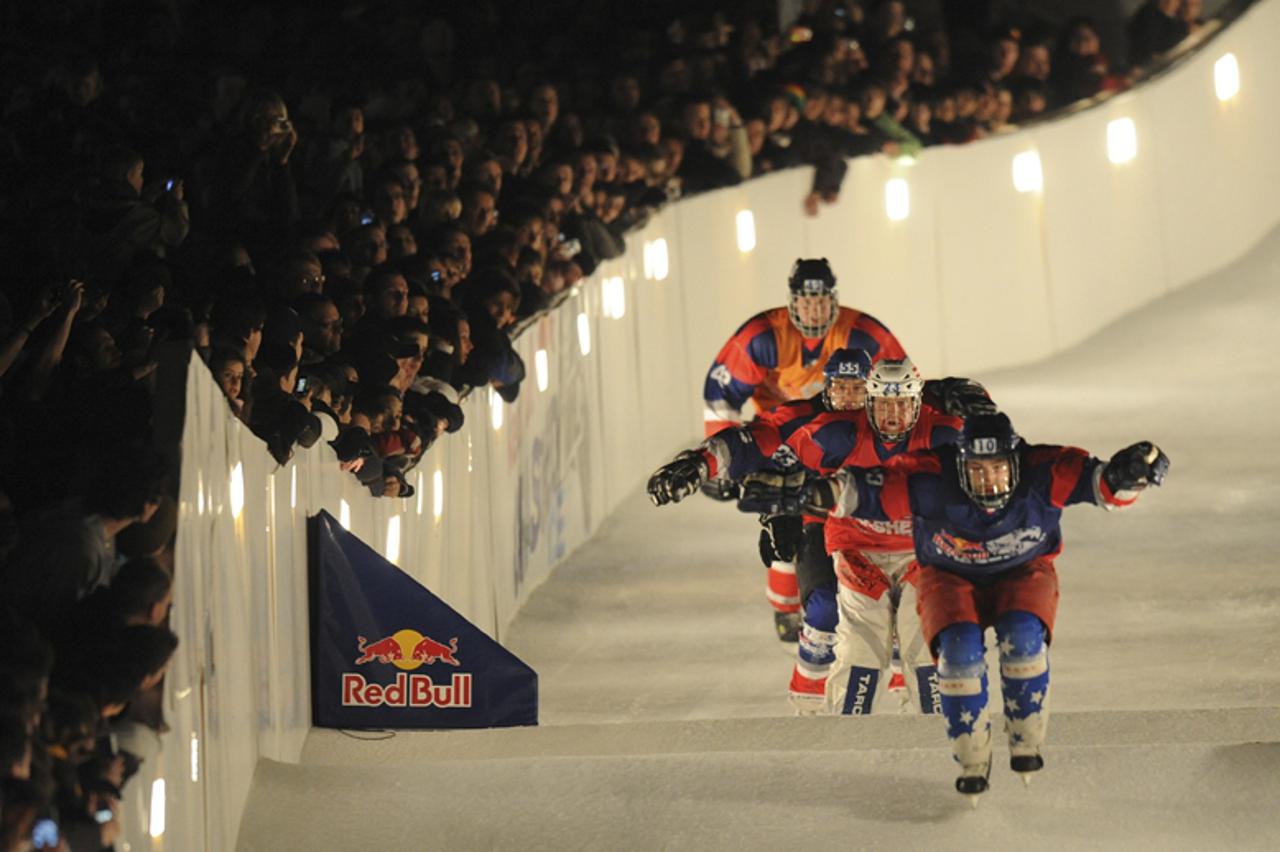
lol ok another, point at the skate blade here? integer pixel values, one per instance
(973, 799)
(1026, 778)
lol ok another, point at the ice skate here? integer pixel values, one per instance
(1025, 764)
(807, 704)
(973, 782)
(788, 625)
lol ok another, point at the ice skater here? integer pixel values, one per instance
(985, 517)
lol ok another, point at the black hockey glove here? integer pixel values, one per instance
(769, 493)
(1135, 467)
(965, 398)
(820, 494)
(677, 479)
(780, 538)
(721, 490)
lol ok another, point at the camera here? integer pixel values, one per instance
(366, 218)
(436, 276)
(102, 816)
(300, 389)
(168, 185)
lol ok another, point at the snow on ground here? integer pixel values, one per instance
(665, 724)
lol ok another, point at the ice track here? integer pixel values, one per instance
(665, 724)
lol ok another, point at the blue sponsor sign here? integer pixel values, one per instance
(387, 653)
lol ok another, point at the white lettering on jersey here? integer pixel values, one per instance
(784, 457)
(721, 375)
(886, 527)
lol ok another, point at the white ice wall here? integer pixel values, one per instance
(977, 277)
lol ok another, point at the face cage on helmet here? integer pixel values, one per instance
(990, 502)
(826, 393)
(892, 437)
(813, 331)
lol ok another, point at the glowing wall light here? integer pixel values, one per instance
(200, 493)
(420, 492)
(648, 260)
(437, 494)
(1122, 140)
(660, 268)
(393, 538)
(1027, 176)
(746, 231)
(584, 334)
(1226, 77)
(897, 199)
(237, 490)
(542, 369)
(344, 514)
(293, 488)
(156, 828)
(614, 297)
(195, 758)
(495, 409)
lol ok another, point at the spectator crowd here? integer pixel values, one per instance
(347, 210)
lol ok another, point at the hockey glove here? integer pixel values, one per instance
(772, 493)
(820, 495)
(780, 538)
(965, 398)
(1135, 467)
(677, 479)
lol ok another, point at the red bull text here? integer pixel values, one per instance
(408, 690)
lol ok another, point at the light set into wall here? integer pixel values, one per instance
(613, 294)
(1122, 147)
(655, 260)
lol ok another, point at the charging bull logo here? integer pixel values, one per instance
(407, 650)
(1008, 546)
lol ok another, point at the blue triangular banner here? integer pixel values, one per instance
(387, 653)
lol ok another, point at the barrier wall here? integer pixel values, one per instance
(977, 276)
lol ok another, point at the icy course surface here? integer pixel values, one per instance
(665, 724)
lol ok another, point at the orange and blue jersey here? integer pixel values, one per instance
(768, 362)
(953, 534)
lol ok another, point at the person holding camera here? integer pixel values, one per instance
(253, 189)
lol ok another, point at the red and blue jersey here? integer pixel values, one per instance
(846, 439)
(768, 362)
(761, 444)
(951, 533)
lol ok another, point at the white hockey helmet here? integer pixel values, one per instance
(894, 391)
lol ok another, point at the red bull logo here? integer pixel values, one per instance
(407, 650)
(408, 690)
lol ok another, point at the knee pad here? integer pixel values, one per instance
(960, 651)
(1020, 634)
(820, 609)
(1022, 648)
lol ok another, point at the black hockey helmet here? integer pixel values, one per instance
(813, 277)
(987, 440)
